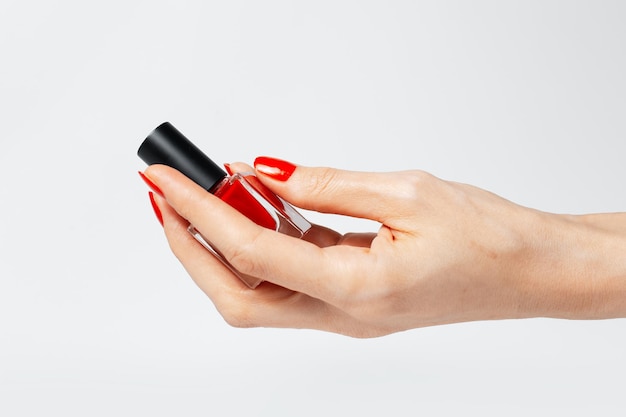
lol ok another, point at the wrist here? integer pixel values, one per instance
(575, 269)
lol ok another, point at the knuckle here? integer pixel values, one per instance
(370, 308)
(191, 200)
(242, 257)
(322, 182)
(416, 180)
(414, 185)
(239, 258)
(357, 295)
(176, 239)
(374, 297)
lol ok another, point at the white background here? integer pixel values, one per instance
(97, 318)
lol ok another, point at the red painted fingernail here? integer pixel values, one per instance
(151, 184)
(155, 207)
(275, 168)
(227, 167)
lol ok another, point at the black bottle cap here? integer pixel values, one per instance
(167, 146)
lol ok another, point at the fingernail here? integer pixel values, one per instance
(155, 207)
(275, 168)
(227, 167)
(151, 184)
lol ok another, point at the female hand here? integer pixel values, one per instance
(445, 252)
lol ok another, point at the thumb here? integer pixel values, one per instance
(369, 195)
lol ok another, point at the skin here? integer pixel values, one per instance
(445, 253)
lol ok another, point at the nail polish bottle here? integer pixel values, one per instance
(243, 191)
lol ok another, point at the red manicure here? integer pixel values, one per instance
(151, 184)
(155, 207)
(275, 168)
(228, 170)
(243, 191)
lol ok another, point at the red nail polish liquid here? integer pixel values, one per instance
(166, 145)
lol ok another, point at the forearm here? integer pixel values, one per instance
(578, 270)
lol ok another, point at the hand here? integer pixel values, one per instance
(445, 253)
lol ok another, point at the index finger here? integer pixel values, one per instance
(254, 250)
